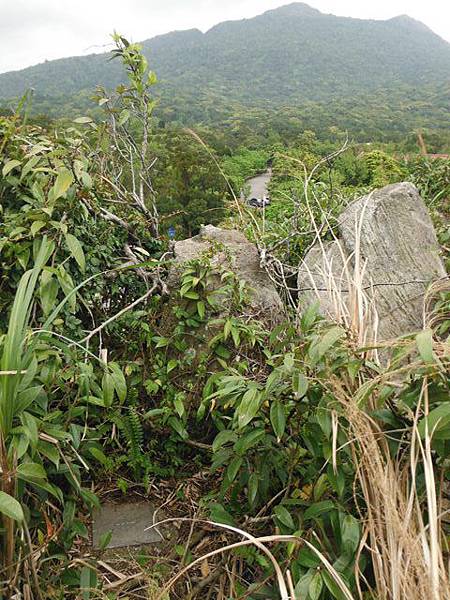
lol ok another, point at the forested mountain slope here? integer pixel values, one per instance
(284, 57)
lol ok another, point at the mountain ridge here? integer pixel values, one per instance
(287, 56)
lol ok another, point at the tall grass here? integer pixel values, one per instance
(14, 363)
(402, 529)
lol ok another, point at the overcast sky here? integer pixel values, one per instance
(32, 31)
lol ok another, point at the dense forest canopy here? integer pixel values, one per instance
(367, 77)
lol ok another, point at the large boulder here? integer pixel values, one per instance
(391, 234)
(231, 249)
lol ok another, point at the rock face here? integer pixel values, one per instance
(391, 234)
(232, 250)
(128, 523)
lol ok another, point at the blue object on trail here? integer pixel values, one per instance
(171, 232)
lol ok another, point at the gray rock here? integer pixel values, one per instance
(232, 250)
(128, 523)
(392, 233)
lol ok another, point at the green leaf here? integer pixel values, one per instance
(315, 586)
(88, 582)
(124, 116)
(350, 533)
(161, 342)
(252, 488)
(278, 418)
(48, 292)
(171, 365)
(31, 471)
(424, 341)
(332, 586)
(222, 438)
(317, 509)
(108, 389)
(10, 165)
(83, 120)
(120, 383)
(438, 421)
(10, 507)
(284, 516)
(98, 455)
(302, 587)
(233, 468)
(201, 309)
(307, 558)
(67, 286)
(36, 226)
(76, 250)
(179, 404)
(63, 182)
(249, 406)
(299, 384)
(318, 350)
(104, 540)
(218, 514)
(248, 440)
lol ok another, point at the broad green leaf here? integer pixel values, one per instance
(249, 406)
(88, 582)
(98, 455)
(317, 509)
(10, 507)
(424, 341)
(124, 116)
(179, 404)
(31, 471)
(350, 533)
(36, 226)
(223, 437)
(324, 343)
(218, 514)
(201, 309)
(278, 418)
(332, 586)
(315, 586)
(50, 451)
(26, 397)
(118, 377)
(308, 558)
(233, 468)
(83, 120)
(284, 516)
(302, 587)
(438, 421)
(104, 540)
(108, 389)
(63, 182)
(10, 165)
(48, 291)
(299, 384)
(76, 250)
(249, 440)
(67, 286)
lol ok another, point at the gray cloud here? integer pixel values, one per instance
(32, 31)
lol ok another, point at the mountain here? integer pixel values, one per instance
(285, 57)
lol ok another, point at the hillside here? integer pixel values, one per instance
(284, 57)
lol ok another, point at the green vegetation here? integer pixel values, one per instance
(292, 68)
(114, 386)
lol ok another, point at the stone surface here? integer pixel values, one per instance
(233, 251)
(128, 523)
(391, 232)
